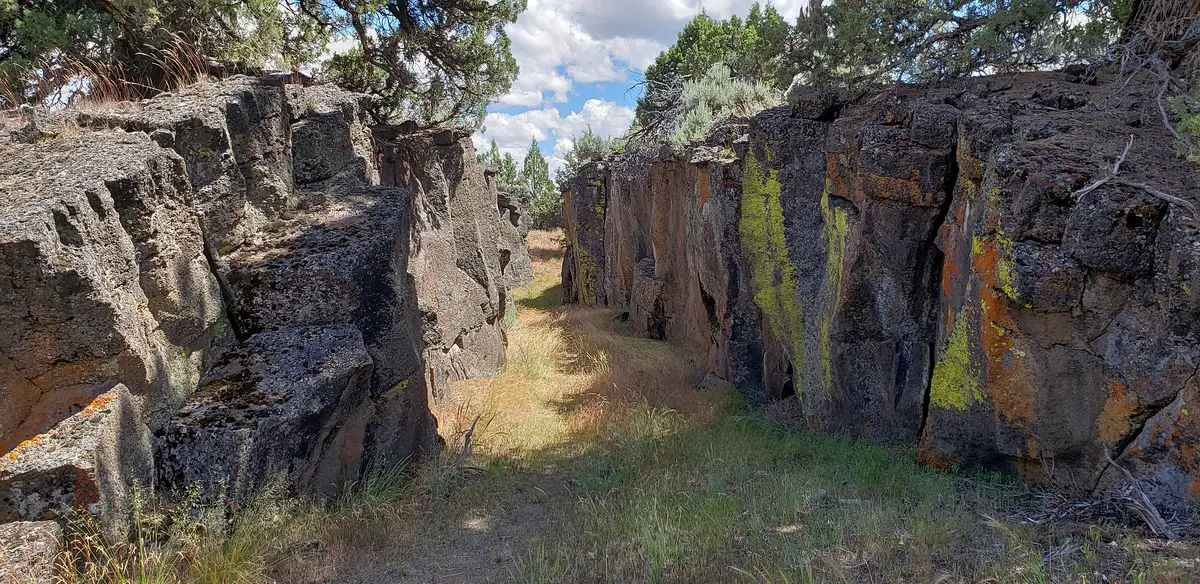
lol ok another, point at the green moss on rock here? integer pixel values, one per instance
(955, 384)
(837, 232)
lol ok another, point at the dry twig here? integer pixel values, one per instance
(1140, 503)
(1114, 177)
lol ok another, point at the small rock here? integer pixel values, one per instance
(818, 498)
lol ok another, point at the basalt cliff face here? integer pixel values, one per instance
(917, 266)
(238, 283)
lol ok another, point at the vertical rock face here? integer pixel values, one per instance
(914, 267)
(263, 289)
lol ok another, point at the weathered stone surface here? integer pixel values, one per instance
(92, 461)
(289, 405)
(914, 267)
(584, 202)
(102, 277)
(515, 263)
(336, 278)
(461, 285)
(235, 139)
(330, 136)
(28, 551)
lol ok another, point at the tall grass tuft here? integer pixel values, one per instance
(64, 80)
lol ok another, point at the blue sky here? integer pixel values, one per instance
(579, 59)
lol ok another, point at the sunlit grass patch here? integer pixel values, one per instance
(595, 458)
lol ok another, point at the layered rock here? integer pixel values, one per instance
(91, 462)
(915, 267)
(273, 289)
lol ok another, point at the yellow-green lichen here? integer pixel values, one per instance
(773, 277)
(837, 232)
(396, 390)
(1185, 288)
(1006, 269)
(976, 245)
(955, 384)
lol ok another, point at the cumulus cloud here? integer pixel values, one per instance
(513, 131)
(560, 43)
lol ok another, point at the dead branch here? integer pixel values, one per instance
(1140, 502)
(1162, 109)
(1114, 177)
(1116, 169)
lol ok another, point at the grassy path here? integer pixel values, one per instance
(595, 459)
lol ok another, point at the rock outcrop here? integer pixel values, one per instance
(917, 266)
(238, 283)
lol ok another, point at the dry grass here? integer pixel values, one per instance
(62, 80)
(595, 459)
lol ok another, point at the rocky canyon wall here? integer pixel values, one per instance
(237, 283)
(918, 266)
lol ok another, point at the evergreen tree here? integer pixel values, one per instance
(883, 41)
(545, 200)
(508, 170)
(586, 148)
(433, 61)
(751, 48)
(503, 165)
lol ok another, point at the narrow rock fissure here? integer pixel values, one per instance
(228, 298)
(931, 262)
(1136, 436)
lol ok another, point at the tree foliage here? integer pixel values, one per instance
(882, 41)
(585, 148)
(545, 200)
(433, 61)
(862, 44)
(44, 42)
(751, 47)
(504, 166)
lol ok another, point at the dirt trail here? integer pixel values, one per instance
(595, 459)
(514, 484)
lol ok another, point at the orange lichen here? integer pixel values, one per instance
(1007, 371)
(1114, 421)
(705, 190)
(98, 405)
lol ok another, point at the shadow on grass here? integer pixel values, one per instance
(550, 298)
(545, 254)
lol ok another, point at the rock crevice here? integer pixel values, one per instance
(912, 266)
(248, 264)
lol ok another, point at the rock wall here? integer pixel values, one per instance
(914, 266)
(235, 284)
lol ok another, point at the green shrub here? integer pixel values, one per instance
(716, 97)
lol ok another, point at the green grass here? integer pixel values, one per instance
(740, 499)
(596, 459)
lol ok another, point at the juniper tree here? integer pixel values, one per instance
(545, 200)
(434, 61)
(585, 148)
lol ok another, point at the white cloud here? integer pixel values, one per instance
(513, 132)
(562, 43)
(559, 43)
